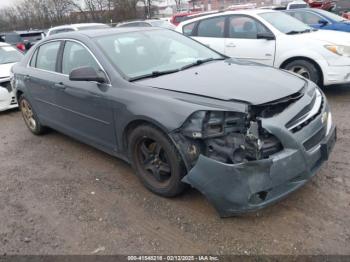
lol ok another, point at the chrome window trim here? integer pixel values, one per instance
(63, 40)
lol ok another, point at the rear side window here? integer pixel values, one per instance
(47, 56)
(212, 27)
(188, 29)
(74, 56)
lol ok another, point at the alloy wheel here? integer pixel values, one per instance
(154, 160)
(301, 70)
(28, 114)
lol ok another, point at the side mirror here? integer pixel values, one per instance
(323, 22)
(267, 36)
(87, 74)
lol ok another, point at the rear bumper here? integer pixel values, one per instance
(246, 187)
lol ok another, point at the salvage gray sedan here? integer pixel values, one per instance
(243, 134)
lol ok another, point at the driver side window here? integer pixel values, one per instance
(245, 27)
(311, 19)
(74, 56)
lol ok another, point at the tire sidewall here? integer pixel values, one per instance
(174, 186)
(315, 74)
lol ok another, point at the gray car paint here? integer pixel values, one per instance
(100, 114)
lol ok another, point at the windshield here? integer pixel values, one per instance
(9, 54)
(332, 16)
(285, 23)
(153, 52)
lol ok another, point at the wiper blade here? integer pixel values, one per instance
(160, 73)
(293, 32)
(154, 74)
(201, 61)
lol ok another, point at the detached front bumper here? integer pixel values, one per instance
(235, 189)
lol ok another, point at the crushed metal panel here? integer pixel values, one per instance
(229, 187)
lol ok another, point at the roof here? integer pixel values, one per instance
(103, 32)
(243, 11)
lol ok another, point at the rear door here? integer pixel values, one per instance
(242, 40)
(211, 32)
(84, 106)
(40, 80)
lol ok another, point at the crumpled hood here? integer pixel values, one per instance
(329, 36)
(5, 70)
(233, 80)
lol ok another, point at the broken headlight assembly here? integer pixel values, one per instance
(229, 137)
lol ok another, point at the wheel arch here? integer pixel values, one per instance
(291, 59)
(138, 122)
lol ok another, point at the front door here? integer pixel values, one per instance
(86, 110)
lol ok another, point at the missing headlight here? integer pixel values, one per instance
(228, 137)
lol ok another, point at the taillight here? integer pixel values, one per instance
(21, 47)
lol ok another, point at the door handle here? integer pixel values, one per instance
(230, 45)
(59, 86)
(26, 78)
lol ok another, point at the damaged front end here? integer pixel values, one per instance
(236, 161)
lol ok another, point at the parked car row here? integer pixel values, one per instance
(276, 39)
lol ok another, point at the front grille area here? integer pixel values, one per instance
(6, 85)
(315, 139)
(308, 114)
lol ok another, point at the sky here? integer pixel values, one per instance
(4, 3)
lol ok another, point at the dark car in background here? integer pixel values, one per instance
(180, 113)
(321, 19)
(22, 40)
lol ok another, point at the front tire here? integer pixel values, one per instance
(306, 69)
(156, 161)
(30, 117)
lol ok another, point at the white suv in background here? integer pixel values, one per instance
(75, 27)
(276, 39)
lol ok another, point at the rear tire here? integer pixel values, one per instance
(306, 69)
(156, 161)
(30, 117)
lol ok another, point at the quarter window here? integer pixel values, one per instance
(188, 29)
(47, 56)
(212, 27)
(245, 27)
(75, 56)
(33, 61)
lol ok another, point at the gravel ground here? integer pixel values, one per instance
(58, 196)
